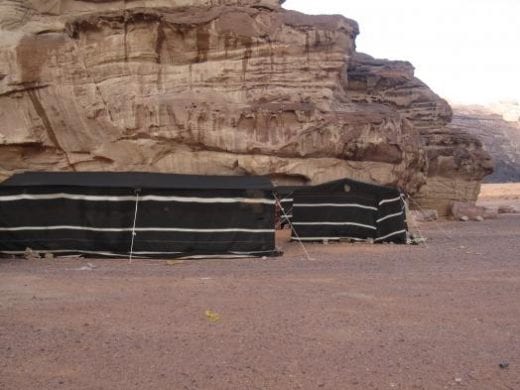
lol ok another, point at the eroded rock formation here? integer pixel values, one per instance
(209, 87)
(457, 162)
(498, 127)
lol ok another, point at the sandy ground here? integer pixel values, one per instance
(496, 195)
(437, 316)
(500, 191)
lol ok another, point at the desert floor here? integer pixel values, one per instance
(493, 195)
(440, 315)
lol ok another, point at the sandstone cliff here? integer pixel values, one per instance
(457, 161)
(217, 87)
(498, 127)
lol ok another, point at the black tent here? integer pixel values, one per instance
(345, 209)
(146, 214)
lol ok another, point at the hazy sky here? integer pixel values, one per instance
(466, 50)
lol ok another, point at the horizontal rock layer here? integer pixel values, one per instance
(498, 127)
(457, 161)
(209, 87)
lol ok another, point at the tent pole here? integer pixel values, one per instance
(133, 226)
(292, 227)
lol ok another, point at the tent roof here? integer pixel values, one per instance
(356, 186)
(136, 180)
(338, 185)
(285, 190)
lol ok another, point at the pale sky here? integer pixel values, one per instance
(467, 51)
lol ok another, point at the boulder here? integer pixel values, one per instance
(464, 211)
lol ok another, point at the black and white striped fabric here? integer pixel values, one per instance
(348, 210)
(285, 199)
(93, 214)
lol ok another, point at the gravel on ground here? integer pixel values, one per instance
(440, 315)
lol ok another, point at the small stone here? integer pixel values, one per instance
(84, 268)
(29, 254)
(458, 380)
(460, 210)
(503, 365)
(174, 262)
(479, 218)
(464, 218)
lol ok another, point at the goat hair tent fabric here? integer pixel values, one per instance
(285, 199)
(146, 214)
(345, 209)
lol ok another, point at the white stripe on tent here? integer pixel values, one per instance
(65, 251)
(248, 253)
(389, 200)
(231, 256)
(57, 251)
(361, 206)
(335, 224)
(155, 253)
(328, 238)
(389, 216)
(224, 230)
(391, 234)
(150, 229)
(131, 198)
(285, 200)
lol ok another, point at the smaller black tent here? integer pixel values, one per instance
(345, 209)
(285, 199)
(146, 214)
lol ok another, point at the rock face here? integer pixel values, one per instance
(217, 87)
(498, 127)
(456, 160)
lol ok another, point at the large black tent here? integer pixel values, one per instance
(345, 209)
(139, 214)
